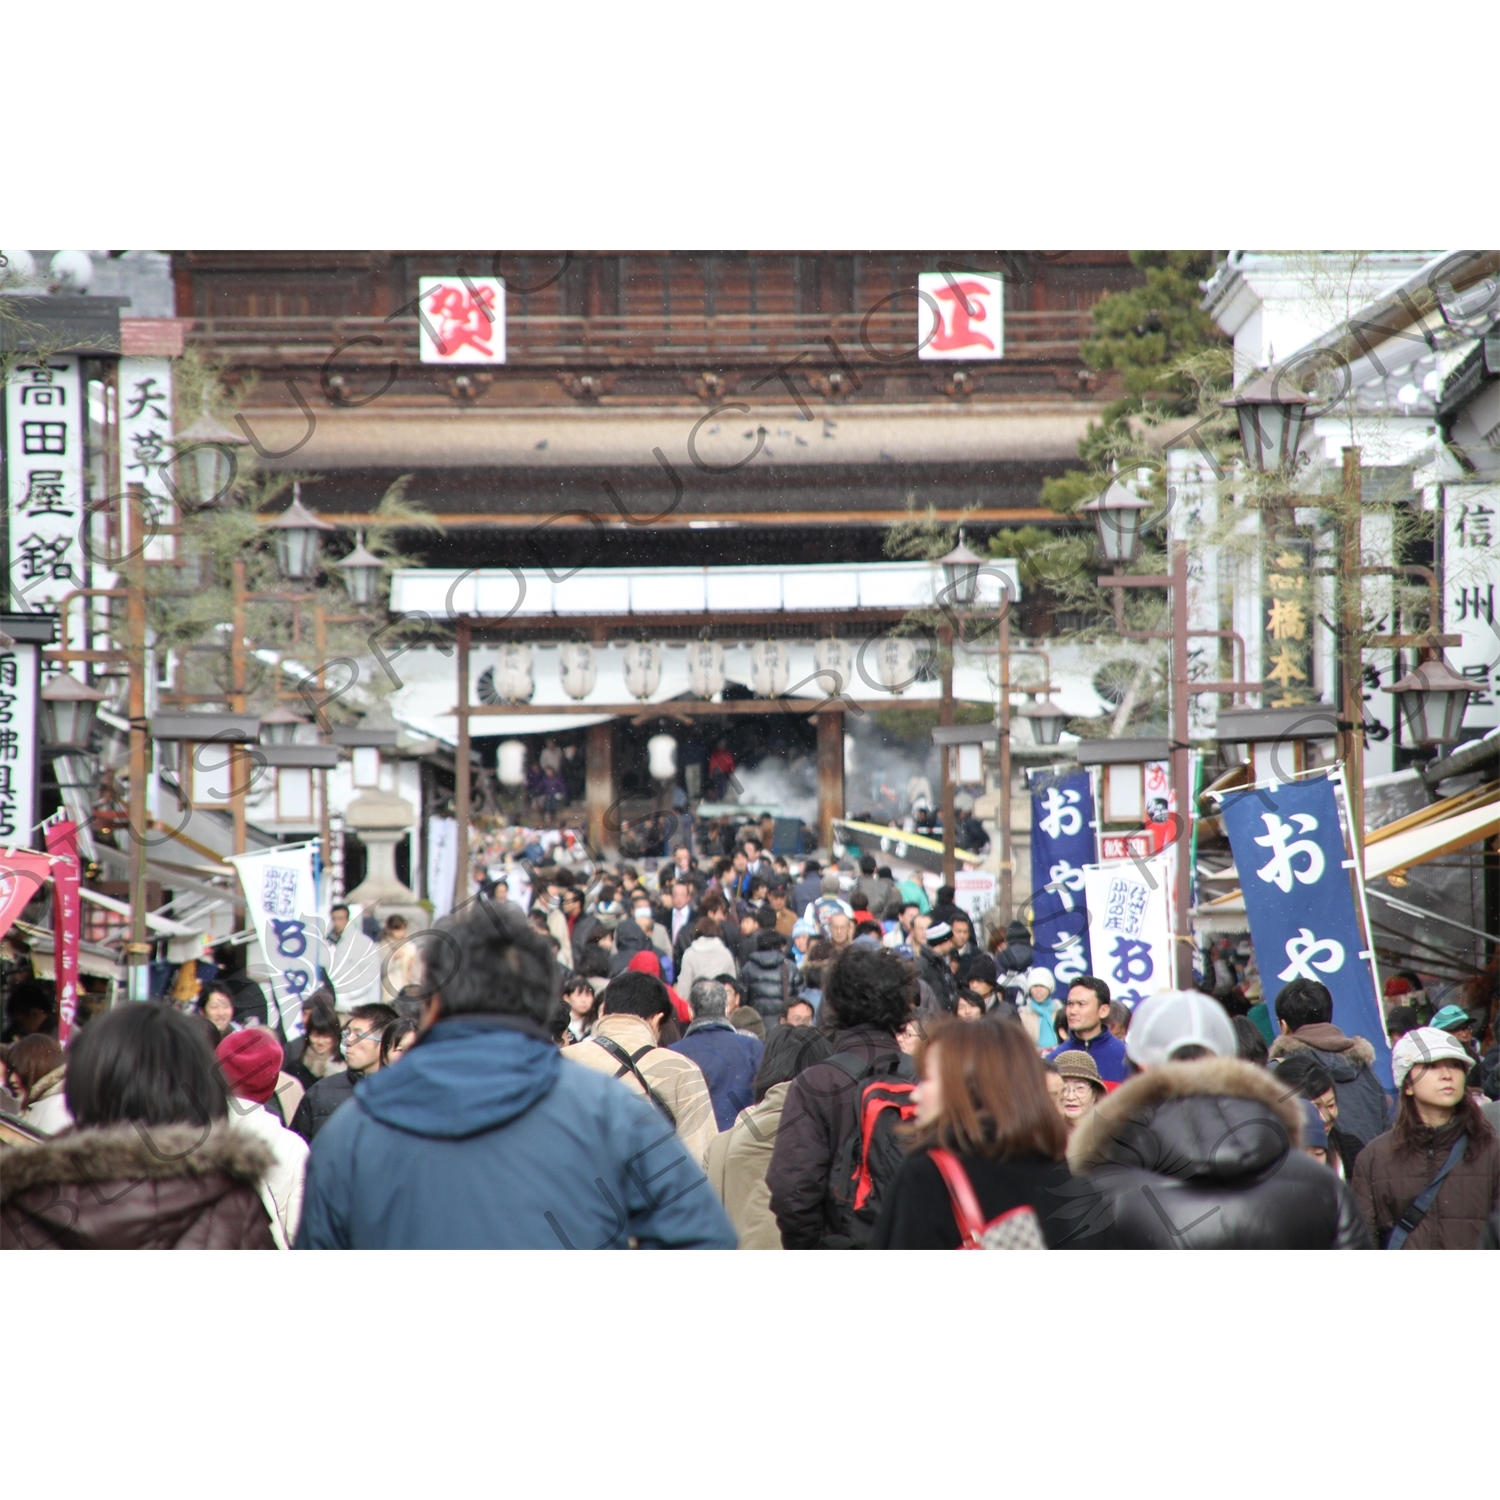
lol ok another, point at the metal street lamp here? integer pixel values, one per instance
(68, 708)
(1047, 720)
(297, 531)
(279, 727)
(1432, 700)
(1271, 412)
(961, 569)
(361, 570)
(213, 448)
(1117, 520)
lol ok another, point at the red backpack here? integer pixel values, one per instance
(867, 1163)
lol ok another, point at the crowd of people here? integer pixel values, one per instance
(740, 1053)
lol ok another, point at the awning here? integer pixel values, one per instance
(1400, 850)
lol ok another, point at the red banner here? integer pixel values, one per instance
(62, 844)
(23, 872)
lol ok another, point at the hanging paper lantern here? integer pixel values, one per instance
(511, 763)
(770, 668)
(513, 679)
(661, 750)
(642, 668)
(580, 669)
(705, 662)
(834, 660)
(895, 663)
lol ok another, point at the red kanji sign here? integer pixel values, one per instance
(462, 320)
(960, 315)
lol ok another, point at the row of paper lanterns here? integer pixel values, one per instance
(661, 754)
(890, 661)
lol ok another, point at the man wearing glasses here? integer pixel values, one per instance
(360, 1039)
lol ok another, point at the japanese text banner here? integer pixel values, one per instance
(1289, 851)
(282, 899)
(22, 875)
(1130, 928)
(1062, 843)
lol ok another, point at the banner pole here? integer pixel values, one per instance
(1356, 865)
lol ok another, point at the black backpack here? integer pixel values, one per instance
(866, 1164)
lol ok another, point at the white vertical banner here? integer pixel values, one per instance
(1192, 509)
(442, 864)
(974, 890)
(282, 903)
(1130, 933)
(1471, 582)
(145, 404)
(44, 434)
(18, 744)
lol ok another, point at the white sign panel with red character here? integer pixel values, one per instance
(462, 320)
(960, 315)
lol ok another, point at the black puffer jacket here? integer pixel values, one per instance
(1207, 1156)
(772, 982)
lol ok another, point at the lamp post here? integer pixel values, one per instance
(296, 530)
(213, 449)
(1432, 700)
(361, 570)
(68, 708)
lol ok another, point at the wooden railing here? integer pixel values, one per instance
(885, 337)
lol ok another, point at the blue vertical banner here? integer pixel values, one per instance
(1289, 851)
(1062, 843)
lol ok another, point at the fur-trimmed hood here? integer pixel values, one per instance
(1344, 1056)
(1219, 1118)
(133, 1153)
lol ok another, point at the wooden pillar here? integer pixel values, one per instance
(945, 718)
(1351, 658)
(138, 951)
(599, 788)
(830, 773)
(1006, 892)
(1181, 770)
(461, 771)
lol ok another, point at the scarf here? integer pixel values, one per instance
(1046, 1035)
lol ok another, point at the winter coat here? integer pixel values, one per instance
(918, 1212)
(933, 969)
(484, 1139)
(1206, 1156)
(630, 939)
(321, 1100)
(677, 1079)
(132, 1187)
(736, 1167)
(1364, 1110)
(46, 1108)
(703, 958)
(1386, 1180)
(729, 1060)
(1107, 1050)
(281, 1186)
(878, 892)
(772, 982)
(1033, 1022)
(820, 1114)
(307, 1066)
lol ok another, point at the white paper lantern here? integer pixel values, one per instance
(834, 660)
(511, 763)
(642, 668)
(580, 669)
(661, 749)
(513, 679)
(895, 663)
(770, 668)
(705, 662)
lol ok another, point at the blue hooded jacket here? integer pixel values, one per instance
(480, 1139)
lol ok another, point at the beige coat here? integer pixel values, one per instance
(678, 1079)
(46, 1109)
(736, 1167)
(703, 959)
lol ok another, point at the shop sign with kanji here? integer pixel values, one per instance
(461, 320)
(44, 462)
(960, 315)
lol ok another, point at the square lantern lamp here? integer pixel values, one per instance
(1117, 521)
(1432, 700)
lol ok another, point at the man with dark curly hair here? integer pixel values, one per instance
(867, 996)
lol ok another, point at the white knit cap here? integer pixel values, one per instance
(1039, 975)
(1425, 1045)
(1170, 1019)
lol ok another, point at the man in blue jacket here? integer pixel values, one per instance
(479, 1138)
(728, 1058)
(1087, 1012)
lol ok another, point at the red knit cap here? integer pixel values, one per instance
(250, 1061)
(649, 963)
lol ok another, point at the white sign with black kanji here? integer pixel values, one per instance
(44, 428)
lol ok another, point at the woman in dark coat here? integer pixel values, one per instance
(981, 1104)
(150, 1164)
